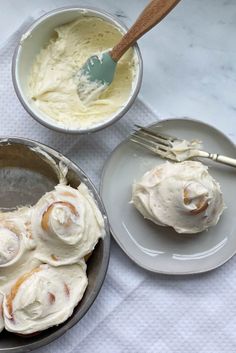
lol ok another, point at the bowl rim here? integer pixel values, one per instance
(14, 69)
(71, 321)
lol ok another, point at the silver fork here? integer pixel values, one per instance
(162, 145)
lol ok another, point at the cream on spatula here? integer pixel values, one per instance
(98, 71)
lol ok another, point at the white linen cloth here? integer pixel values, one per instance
(136, 311)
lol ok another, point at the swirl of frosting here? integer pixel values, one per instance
(180, 195)
(66, 225)
(44, 297)
(61, 215)
(1, 313)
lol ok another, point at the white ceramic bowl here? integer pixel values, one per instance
(37, 35)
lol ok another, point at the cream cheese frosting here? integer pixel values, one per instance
(87, 89)
(16, 244)
(42, 257)
(66, 224)
(53, 79)
(44, 297)
(14, 235)
(182, 150)
(180, 195)
(10, 245)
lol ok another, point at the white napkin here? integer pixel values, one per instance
(136, 311)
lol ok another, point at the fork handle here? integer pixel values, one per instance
(153, 13)
(222, 159)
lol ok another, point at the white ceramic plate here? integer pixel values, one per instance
(161, 249)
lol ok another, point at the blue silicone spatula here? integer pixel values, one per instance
(99, 71)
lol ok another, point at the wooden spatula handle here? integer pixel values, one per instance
(155, 11)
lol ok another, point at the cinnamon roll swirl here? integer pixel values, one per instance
(16, 244)
(43, 250)
(180, 195)
(15, 238)
(9, 244)
(66, 225)
(43, 297)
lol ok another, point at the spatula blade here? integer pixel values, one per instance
(95, 76)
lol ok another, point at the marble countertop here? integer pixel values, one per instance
(189, 58)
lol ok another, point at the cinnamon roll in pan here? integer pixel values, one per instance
(44, 297)
(180, 195)
(75, 218)
(66, 225)
(42, 258)
(15, 236)
(16, 245)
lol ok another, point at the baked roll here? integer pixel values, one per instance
(43, 297)
(15, 236)
(66, 225)
(10, 245)
(180, 195)
(16, 246)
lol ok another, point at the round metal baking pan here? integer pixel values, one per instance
(24, 177)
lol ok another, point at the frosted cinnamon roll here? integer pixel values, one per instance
(10, 244)
(1, 313)
(66, 224)
(180, 195)
(44, 297)
(16, 244)
(15, 237)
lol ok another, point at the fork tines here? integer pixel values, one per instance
(158, 143)
(155, 133)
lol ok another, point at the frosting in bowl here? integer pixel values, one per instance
(53, 79)
(44, 297)
(66, 225)
(180, 195)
